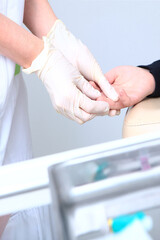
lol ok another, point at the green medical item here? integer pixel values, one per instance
(17, 69)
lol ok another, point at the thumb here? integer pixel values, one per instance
(90, 69)
(111, 75)
(107, 89)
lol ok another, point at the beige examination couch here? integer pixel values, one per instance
(142, 118)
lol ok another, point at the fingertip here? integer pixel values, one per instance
(113, 95)
(118, 112)
(81, 123)
(112, 113)
(109, 90)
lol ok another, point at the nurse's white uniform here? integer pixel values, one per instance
(15, 140)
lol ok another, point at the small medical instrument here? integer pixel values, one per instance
(118, 224)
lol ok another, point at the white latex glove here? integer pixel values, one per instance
(70, 93)
(80, 57)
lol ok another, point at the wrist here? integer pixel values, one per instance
(151, 81)
(154, 70)
(35, 48)
(40, 57)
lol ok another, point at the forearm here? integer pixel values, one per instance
(39, 17)
(17, 43)
(3, 223)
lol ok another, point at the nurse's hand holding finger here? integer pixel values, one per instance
(70, 93)
(80, 57)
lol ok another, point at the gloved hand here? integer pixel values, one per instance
(70, 93)
(80, 57)
(112, 112)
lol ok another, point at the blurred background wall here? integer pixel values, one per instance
(117, 33)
